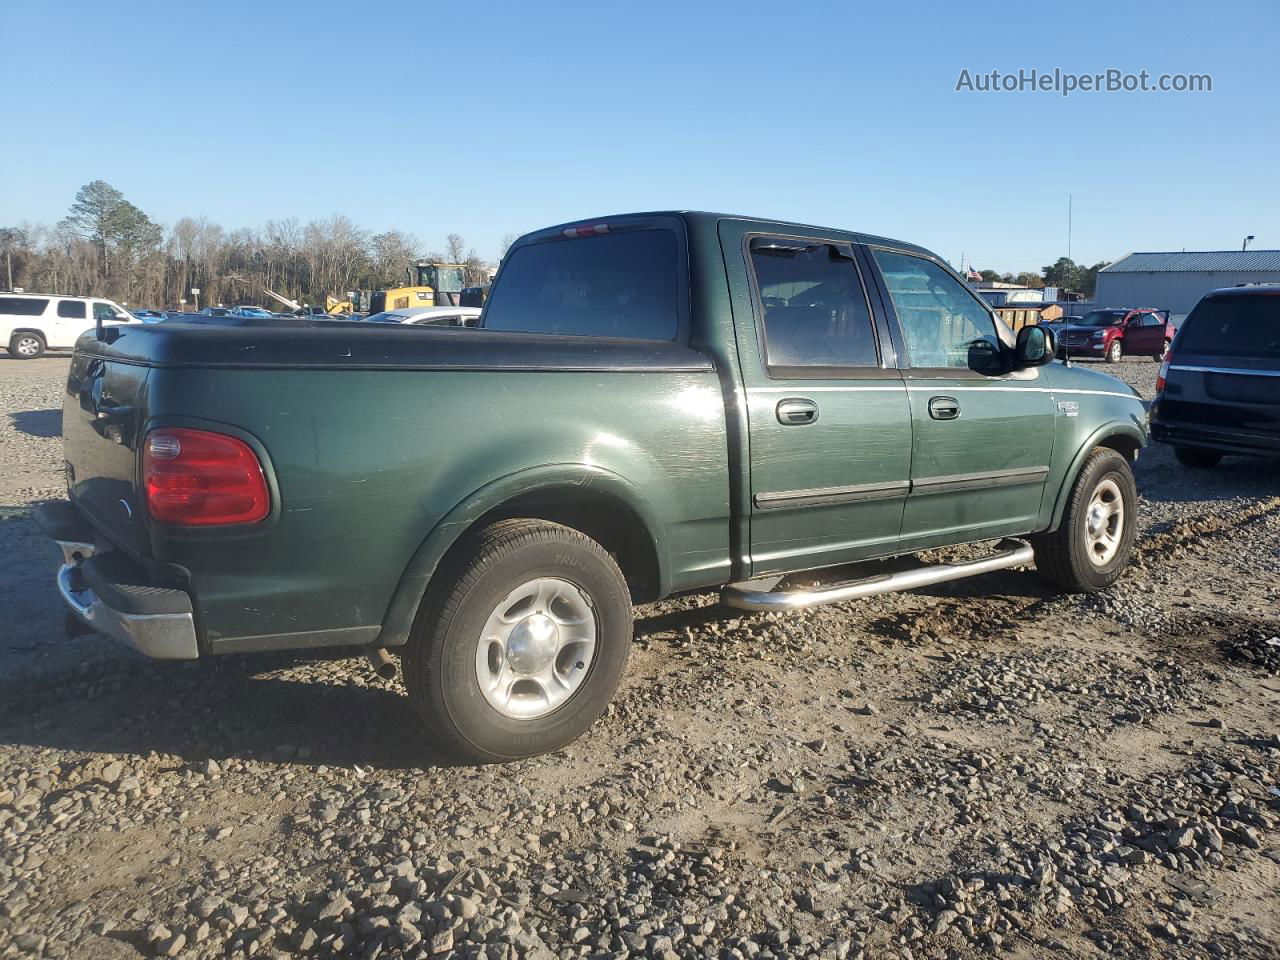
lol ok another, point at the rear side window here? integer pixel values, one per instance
(815, 311)
(71, 309)
(22, 306)
(1233, 327)
(610, 285)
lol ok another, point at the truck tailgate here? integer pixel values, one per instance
(103, 413)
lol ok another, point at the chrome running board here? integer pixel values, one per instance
(760, 595)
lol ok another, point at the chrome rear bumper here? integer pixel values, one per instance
(164, 636)
(156, 621)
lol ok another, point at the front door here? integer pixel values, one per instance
(1144, 335)
(829, 421)
(981, 438)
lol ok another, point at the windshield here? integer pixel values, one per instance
(1246, 326)
(1102, 318)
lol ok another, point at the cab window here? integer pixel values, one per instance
(612, 285)
(943, 324)
(815, 311)
(102, 311)
(71, 309)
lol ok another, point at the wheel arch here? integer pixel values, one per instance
(1125, 438)
(596, 502)
(33, 330)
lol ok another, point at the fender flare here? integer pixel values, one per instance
(403, 607)
(1112, 428)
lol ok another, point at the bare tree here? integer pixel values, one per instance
(149, 266)
(456, 248)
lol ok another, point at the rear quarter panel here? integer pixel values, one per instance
(367, 463)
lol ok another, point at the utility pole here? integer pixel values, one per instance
(1070, 263)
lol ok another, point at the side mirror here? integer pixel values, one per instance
(1033, 347)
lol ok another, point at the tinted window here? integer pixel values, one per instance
(71, 309)
(1233, 327)
(22, 306)
(612, 285)
(815, 313)
(944, 325)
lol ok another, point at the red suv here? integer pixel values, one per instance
(1117, 332)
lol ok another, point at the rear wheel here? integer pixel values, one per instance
(26, 346)
(1114, 352)
(1163, 350)
(522, 645)
(1197, 458)
(1092, 545)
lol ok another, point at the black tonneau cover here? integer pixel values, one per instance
(290, 344)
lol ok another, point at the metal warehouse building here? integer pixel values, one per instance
(1175, 281)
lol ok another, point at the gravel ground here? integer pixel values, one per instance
(973, 769)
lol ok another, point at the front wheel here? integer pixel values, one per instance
(1163, 350)
(1114, 352)
(521, 647)
(26, 346)
(1092, 545)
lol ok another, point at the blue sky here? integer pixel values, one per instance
(495, 118)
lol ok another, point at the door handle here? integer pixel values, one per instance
(796, 412)
(944, 408)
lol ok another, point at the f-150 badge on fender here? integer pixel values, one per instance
(1070, 407)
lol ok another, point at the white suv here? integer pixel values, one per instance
(31, 323)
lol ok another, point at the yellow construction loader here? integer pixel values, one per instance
(430, 285)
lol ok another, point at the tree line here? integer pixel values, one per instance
(107, 247)
(1065, 274)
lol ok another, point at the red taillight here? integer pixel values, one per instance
(201, 478)
(1164, 370)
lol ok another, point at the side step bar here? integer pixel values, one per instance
(759, 595)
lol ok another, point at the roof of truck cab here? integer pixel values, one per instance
(763, 223)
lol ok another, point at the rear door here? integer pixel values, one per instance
(829, 422)
(67, 319)
(981, 438)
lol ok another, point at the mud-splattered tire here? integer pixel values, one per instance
(520, 644)
(1094, 542)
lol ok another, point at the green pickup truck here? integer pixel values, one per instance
(653, 403)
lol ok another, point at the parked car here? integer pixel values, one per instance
(148, 316)
(32, 323)
(1116, 332)
(1218, 390)
(248, 311)
(429, 316)
(656, 403)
